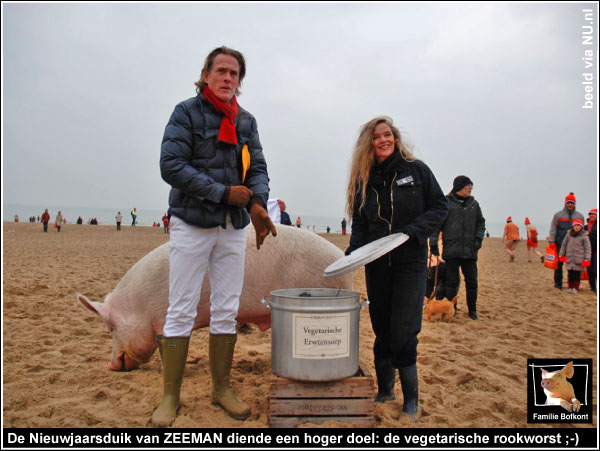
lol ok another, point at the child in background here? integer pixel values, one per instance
(576, 252)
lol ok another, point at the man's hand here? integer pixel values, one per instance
(563, 259)
(262, 223)
(586, 263)
(238, 195)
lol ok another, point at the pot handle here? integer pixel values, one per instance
(266, 303)
(364, 303)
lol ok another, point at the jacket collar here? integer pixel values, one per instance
(393, 163)
(454, 198)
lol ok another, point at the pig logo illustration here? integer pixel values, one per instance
(558, 390)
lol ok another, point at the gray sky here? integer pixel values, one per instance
(492, 91)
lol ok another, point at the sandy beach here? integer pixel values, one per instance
(56, 353)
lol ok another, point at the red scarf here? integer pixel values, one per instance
(227, 131)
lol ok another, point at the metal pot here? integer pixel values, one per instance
(314, 333)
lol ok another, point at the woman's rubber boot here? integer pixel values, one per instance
(173, 353)
(220, 356)
(386, 379)
(410, 390)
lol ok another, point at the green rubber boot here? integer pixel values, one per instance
(173, 353)
(220, 356)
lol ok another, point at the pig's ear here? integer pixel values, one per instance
(96, 307)
(544, 372)
(569, 370)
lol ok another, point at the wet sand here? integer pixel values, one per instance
(56, 353)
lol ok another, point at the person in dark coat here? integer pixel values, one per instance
(390, 191)
(212, 157)
(285, 218)
(593, 236)
(462, 236)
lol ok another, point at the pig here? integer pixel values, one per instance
(135, 311)
(558, 390)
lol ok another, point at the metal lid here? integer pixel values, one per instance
(365, 254)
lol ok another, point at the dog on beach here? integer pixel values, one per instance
(559, 391)
(443, 307)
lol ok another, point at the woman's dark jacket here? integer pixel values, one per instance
(401, 196)
(199, 167)
(463, 229)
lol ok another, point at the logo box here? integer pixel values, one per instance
(537, 409)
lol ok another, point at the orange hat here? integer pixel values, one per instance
(509, 219)
(570, 198)
(577, 221)
(593, 211)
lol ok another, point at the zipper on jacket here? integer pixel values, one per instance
(392, 216)
(379, 209)
(392, 208)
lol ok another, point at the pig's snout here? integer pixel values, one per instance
(546, 384)
(123, 363)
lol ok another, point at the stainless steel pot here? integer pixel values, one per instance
(314, 333)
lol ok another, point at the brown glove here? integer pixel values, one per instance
(262, 223)
(237, 195)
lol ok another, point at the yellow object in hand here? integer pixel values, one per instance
(245, 161)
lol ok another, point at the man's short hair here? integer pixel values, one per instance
(210, 59)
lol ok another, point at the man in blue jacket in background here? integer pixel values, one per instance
(212, 157)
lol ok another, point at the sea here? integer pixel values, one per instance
(146, 217)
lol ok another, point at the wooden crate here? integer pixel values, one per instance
(350, 400)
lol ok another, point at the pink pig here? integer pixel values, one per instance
(559, 392)
(134, 312)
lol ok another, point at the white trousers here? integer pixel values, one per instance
(193, 249)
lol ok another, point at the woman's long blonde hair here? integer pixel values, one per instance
(363, 159)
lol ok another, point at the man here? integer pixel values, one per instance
(45, 219)
(133, 217)
(562, 221)
(165, 221)
(119, 218)
(462, 235)
(344, 223)
(285, 218)
(593, 236)
(212, 157)
(511, 238)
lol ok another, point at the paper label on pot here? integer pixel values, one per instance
(321, 336)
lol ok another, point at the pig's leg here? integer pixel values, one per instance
(576, 405)
(565, 405)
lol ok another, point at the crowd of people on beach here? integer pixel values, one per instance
(571, 242)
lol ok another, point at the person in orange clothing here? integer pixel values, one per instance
(511, 238)
(532, 240)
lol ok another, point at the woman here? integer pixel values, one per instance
(58, 221)
(390, 191)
